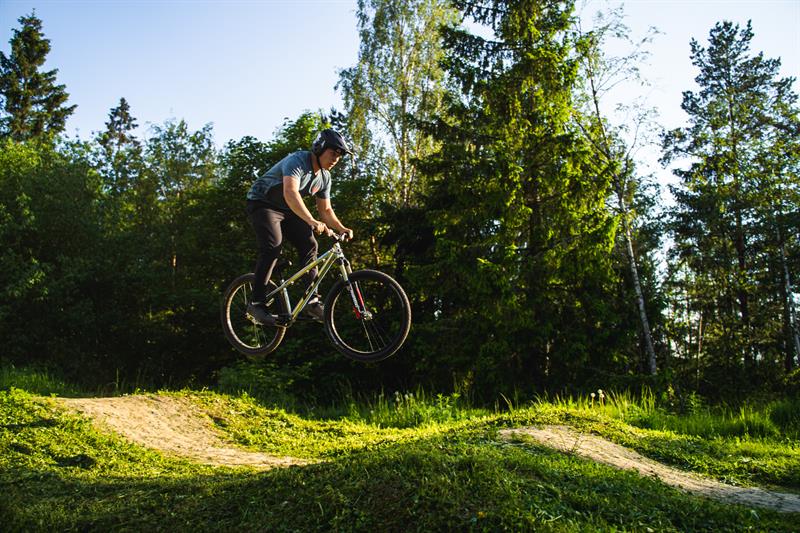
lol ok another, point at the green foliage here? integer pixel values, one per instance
(613, 141)
(51, 238)
(268, 383)
(785, 414)
(33, 104)
(775, 419)
(517, 231)
(477, 184)
(744, 422)
(736, 251)
(412, 409)
(120, 153)
(35, 381)
(396, 84)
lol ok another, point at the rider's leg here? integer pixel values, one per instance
(267, 224)
(301, 236)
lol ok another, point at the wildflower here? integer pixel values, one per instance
(592, 395)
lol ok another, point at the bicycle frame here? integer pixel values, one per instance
(325, 262)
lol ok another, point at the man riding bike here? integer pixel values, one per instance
(276, 210)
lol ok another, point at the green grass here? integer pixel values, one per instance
(387, 464)
(36, 381)
(744, 446)
(778, 419)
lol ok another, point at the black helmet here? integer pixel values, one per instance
(329, 139)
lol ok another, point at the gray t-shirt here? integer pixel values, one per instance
(297, 166)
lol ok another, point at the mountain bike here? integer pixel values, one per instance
(367, 315)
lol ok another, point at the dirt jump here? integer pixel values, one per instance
(598, 449)
(174, 426)
(177, 427)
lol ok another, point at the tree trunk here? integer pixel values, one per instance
(739, 239)
(699, 350)
(794, 350)
(373, 246)
(637, 287)
(741, 293)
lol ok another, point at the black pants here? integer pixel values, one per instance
(271, 225)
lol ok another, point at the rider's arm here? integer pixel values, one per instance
(291, 193)
(329, 217)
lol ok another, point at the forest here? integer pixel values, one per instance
(487, 179)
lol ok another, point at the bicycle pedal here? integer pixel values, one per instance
(258, 322)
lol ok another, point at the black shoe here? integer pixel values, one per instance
(315, 310)
(258, 313)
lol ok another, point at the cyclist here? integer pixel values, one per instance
(276, 210)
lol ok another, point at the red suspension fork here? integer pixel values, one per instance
(358, 300)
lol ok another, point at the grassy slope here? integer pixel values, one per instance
(58, 473)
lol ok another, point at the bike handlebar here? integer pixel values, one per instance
(339, 237)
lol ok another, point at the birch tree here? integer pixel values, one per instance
(396, 84)
(615, 142)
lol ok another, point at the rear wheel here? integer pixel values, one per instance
(367, 317)
(251, 339)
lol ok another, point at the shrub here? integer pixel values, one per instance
(786, 415)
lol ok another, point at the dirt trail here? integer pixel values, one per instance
(568, 440)
(172, 425)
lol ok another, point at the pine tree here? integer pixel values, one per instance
(520, 262)
(121, 151)
(729, 222)
(33, 104)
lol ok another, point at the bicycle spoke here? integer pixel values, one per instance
(372, 326)
(248, 337)
(366, 331)
(379, 333)
(378, 323)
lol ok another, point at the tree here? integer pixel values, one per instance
(778, 186)
(615, 143)
(178, 162)
(121, 151)
(397, 82)
(52, 255)
(33, 104)
(729, 222)
(518, 271)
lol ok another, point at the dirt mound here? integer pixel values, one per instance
(172, 425)
(568, 440)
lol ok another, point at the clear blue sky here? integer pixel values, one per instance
(242, 65)
(246, 65)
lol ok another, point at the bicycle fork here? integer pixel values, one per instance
(359, 308)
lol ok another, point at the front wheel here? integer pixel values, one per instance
(249, 338)
(367, 317)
